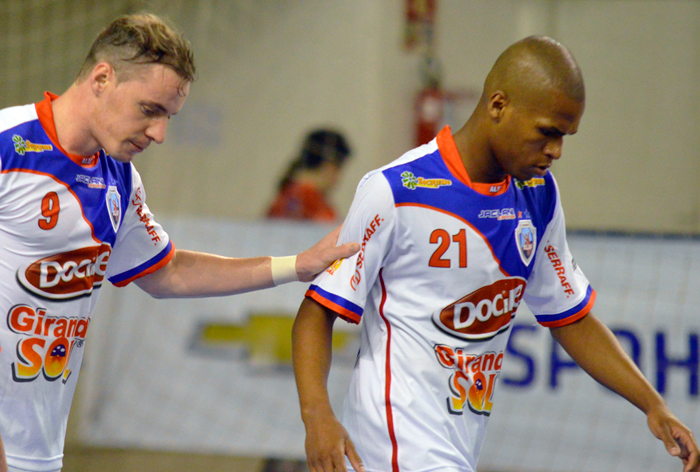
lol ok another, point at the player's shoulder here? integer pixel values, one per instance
(14, 116)
(378, 175)
(540, 194)
(544, 187)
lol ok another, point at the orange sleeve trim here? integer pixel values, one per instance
(164, 261)
(344, 313)
(575, 317)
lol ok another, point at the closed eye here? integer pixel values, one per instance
(551, 132)
(153, 110)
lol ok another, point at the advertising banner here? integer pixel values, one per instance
(214, 375)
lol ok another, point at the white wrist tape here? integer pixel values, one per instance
(284, 269)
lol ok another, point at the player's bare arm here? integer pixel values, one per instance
(3, 460)
(196, 274)
(593, 346)
(327, 441)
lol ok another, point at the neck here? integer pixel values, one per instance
(71, 114)
(473, 146)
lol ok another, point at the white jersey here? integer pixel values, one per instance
(62, 218)
(444, 264)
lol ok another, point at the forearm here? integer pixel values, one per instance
(311, 354)
(3, 460)
(195, 274)
(593, 346)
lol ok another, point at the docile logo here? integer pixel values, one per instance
(484, 313)
(67, 275)
(47, 342)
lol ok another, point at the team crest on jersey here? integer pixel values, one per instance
(526, 240)
(411, 182)
(114, 206)
(23, 146)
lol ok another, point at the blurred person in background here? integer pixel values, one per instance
(303, 196)
(304, 189)
(73, 212)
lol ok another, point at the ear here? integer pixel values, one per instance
(101, 76)
(497, 105)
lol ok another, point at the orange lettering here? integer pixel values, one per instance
(31, 360)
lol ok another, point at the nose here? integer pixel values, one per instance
(157, 129)
(553, 148)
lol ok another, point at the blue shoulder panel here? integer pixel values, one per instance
(427, 182)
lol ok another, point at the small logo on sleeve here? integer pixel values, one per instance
(369, 231)
(534, 182)
(335, 266)
(23, 146)
(560, 270)
(411, 182)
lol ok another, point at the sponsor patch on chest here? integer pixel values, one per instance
(484, 313)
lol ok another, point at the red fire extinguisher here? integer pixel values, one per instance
(429, 108)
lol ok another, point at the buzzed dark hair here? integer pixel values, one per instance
(534, 63)
(141, 38)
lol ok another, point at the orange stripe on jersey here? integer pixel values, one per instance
(575, 317)
(450, 154)
(342, 312)
(30, 171)
(498, 261)
(45, 113)
(150, 270)
(387, 380)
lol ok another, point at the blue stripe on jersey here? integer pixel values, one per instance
(137, 270)
(567, 313)
(348, 305)
(62, 168)
(534, 203)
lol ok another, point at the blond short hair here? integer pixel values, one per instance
(141, 38)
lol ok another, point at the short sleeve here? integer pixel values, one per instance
(344, 286)
(142, 246)
(558, 293)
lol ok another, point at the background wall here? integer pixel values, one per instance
(269, 71)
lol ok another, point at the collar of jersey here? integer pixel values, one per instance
(448, 150)
(45, 113)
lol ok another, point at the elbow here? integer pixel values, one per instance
(155, 288)
(158, 295)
